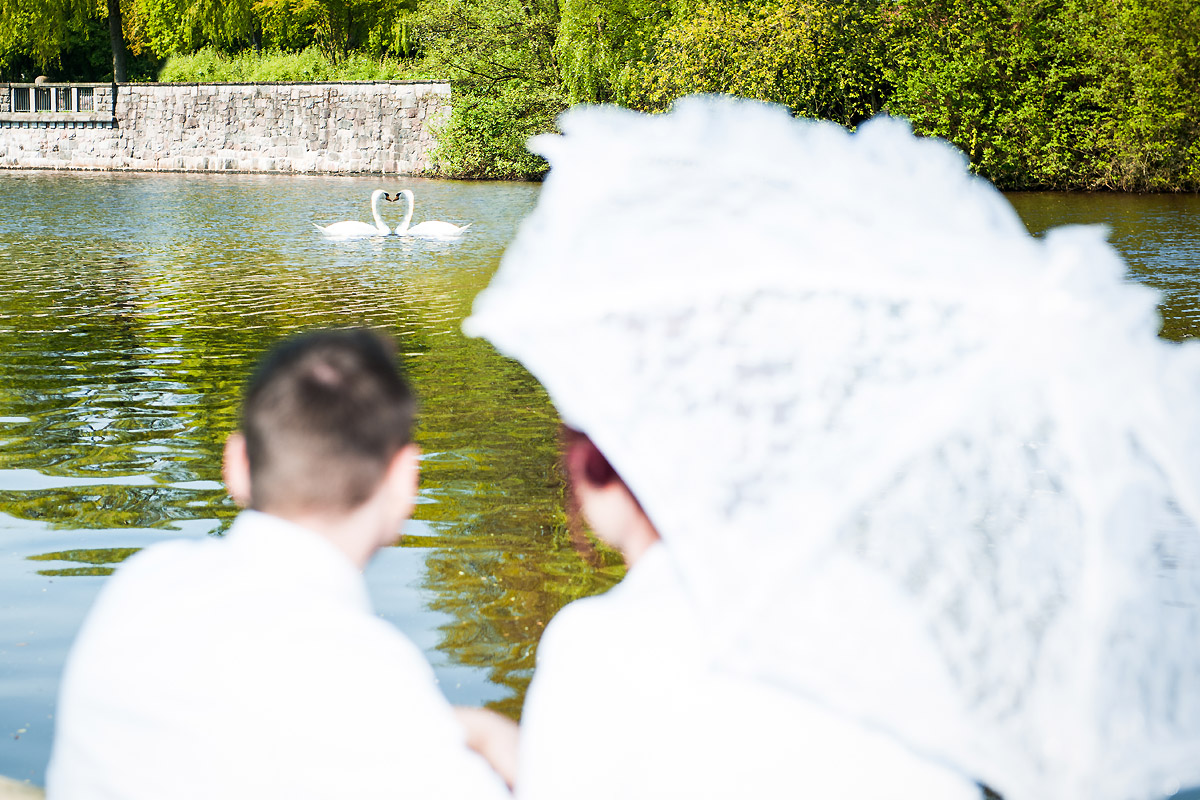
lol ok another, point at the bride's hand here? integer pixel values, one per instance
(493, 736)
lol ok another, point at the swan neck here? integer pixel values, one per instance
(384, 229)
(402, 228)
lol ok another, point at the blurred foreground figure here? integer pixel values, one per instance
(252, 666)
(927, 488)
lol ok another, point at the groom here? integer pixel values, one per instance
(251, 665)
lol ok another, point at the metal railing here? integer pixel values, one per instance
(57, 105)
(52, 98)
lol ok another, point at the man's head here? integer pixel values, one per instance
(323, 419)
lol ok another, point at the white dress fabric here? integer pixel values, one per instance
(909, 460)
(625, 704)
(252, 666)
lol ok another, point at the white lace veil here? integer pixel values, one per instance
(914, 464)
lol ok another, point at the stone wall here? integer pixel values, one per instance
(367, 127)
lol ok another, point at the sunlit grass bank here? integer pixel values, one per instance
(248, 66)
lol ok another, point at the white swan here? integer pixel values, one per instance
(353, 230)
(433, 229)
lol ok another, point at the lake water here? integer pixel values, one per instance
(131, 308)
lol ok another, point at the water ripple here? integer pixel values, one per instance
(131, 309)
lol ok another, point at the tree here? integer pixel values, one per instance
(500, 55)
(600, 44)
(1149, 85)
(42, 29)
(820, 58)
(337, 26)
(177, 26)
(116, 40)
(1055, 93)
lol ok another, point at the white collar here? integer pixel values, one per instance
(299, 553)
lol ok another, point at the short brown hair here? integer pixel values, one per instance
(323, 415)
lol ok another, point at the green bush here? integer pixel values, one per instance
(310, 64)
(499, 56)
(818, 58)
(486, 134)
(1079, 94)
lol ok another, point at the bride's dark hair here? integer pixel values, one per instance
(596, 471)
(596, 468)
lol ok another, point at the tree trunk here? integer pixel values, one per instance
(116, 38)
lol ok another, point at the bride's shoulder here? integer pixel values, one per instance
(618, 628)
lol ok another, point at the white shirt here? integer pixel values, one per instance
(622, 705)
(252, 666)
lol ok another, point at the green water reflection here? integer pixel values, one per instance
(131, 309)
(96, 559)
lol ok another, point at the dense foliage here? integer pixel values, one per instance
(820, 59)
(1038, 93)
(1074, 93)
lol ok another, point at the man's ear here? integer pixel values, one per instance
(235, 469)
(403, 478)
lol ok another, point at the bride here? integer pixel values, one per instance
(909, 499)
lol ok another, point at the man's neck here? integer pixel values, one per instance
(356, 534)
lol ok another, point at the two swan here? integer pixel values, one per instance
(432, 229)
